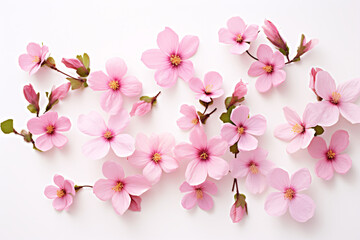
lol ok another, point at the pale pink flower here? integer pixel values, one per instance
(237, 213)
(49, 125)
(298, 132)
(254, 166)
(331, 158)
(135, 204)
(107, 136)
(171, 59)
(62, 193)
(240, 90)
(140, 108)
(337, 100)
(313, 73)
(268, 69)
(154, 155)
(274, 37)
(238, 34)
(198, 194)
(73, 63)
(59, 93)
(301, 206)
(32, 61)
(211, 88)
(118, 188)
(31, 96)
(190, 118)
(242, 129)
(204, 156)
(115, 84)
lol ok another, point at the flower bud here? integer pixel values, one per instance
(313, 74)
(31, 96)
(59, 93)
(240, 90)
(135, 204)
(236, 213)
(274, 37)
(140, 108)
(73, 63)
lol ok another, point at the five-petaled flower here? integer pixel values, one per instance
(32, 61)
(198, 194)
(62, 194)
(211, 88)
(190, 119)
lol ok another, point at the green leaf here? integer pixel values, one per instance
(86, 60)
(240, 200)
(7, 126)
(80, 58)
(225, 117)
(75, 84)
(85, 84)
(32, 108)
(227, 102)
(82, 72)
(146, 99)
(206, 104)
(283, 51)
(318, 130)
(234, 148)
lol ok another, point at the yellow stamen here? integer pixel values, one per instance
(175, 60)
(204, 156)
(50, 129)
(268, 68)
(108, 134)
(114, 85)
(289, 194)
(156, 157)
(240, 130)
(330, 154)
(199, 193)
(118, 187)
(297, 128)
(36, 59)
(254, 169)
(335, 97)
(195, 121)
(60, 193)
(239, 38)
(208, 88)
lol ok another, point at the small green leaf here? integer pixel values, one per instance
(296, 59)
(86, 61)
(75, 84)
(225, 117)
(85, 84)
(80, 58)
(227, 102)
(146, 99)
(282, 51)
(206, 104)
(32, 108)
(318, 130)
(234, 148)
(7, 126)
(240, 200)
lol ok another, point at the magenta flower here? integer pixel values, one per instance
(204, 156)
(298, 132)
(240, 90)
(301, 206)
(118, 188)
(337, 100)
(254, 166)
(59, 93)
(73, 63)
(31, 96)
(190, 118)
(242, 129)
(49, 125)
(211, 88)
(237, 213)
(107, 136)
(238, 34)
(32, 61)
(171, 60)
(313, 73)
(274, 37)
(154, 155)
(114, 84)
(331, 158)
(140, 108)
(268, 69)
(62, 194)
(135, 203)
(199, 194)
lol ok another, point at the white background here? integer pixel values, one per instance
(125, 29)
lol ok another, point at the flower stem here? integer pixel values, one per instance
(252, 56)
(235, 184)
(155, 97)
(58, 70)
(23, 135)
(77, 188)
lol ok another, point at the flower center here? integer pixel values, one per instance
(297, 128)
(108, 135)
(199, 193)
(289, 193)
(156, 157)
(114, 85)
(175, 60)
(195, 121)
(60, 193)
(208, 88)
(335, 97)
(330, 155)
(239, 38)
(36, 59)
(50, 129)
(268, 68)
(204, 156)
(253, 168)
(118, 187)
(240, 130)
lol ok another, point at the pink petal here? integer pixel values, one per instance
(63, 124)
(165, 143)
(58, 140)
(198, 138)
(301, 180)
(189, 200)
(236, 213)
(225, 36)
(239, 166)
(256, 183)
(251, 33)
(291, 116)
(239, 48)
(339, 141)
(155, 59)
(256, 125)
(139, 159)
(265, 166)
(295, 144)
(116, 68)
(186, 70)
(69, 187)
(185, 123)
(166, 77)
(98, 81)
(69, 201)
(239, 115)
(284, 132)
(91, 124)
(123, 145)
(152, 172)
(185, 151)
(168, 41)
(34, 49)
(302, 208)
(247, 142)
(217, 146)
(34, 69)
(209, 187)
(188, 46)
(324, 169)
(136, 185)
(185, 187)
(342, 163)
(26, 62)
(236, 25)
(51, 192)
(351, 112)
(188, 110)
(196, 85)
(214, 79)
(111, 101)
(350, 90)
(135, 204)
(206, 202)
(278, 179)
(275, 204)
(168, 164)
(264, 83)
(96, 148)
(44, 142)
(196, 172)
(36, 126)
(130, 86)
(278, 77)
(278, 60)
(324, 85)
(59, 181)
(264, 54)
(118, 122)
(143, 144)
(256, 69)
(311, 117)
(121, 202)
(308, 135)
(317, 148)
(229, 133)
(113, 171)
(329, 113)
(103, 189)
(217, 167)
(50, 118)
(60, 203)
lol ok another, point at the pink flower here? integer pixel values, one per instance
(107, 136)
(31, 96)
(237, 213)
(190, 118)
(240, 90)
(73, 63)
(242, 129)
(62, 194)
(199, 194)
(254, 166)
(238, 34)
(301, 206)
(140, 108)
(268, 69)
(118, 188)
(337, 100)
(313, 73)
(305, 46)
(32, 61)
(211, 88)
(49, 125)
(330, 157)
(135, 204)
(59, 93)
(171, 60)
(114, 84)
(274, 37)
(204, 156)
(154, 155)
(298, 132)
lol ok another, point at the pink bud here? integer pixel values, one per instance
(237, 213)
(135, 204)
(140, 108)
(59, 93)
(313, 74)
(72, 63)
(240, 90)
(274, 37)
(307, 46)
(31, 96)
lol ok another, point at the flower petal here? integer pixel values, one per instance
(351, 112)
(263, 83)
(26, 62)
(91, 124)
(324, 85)
(308, 135)
(311, 117)
(264, 54)
(206, 202)
(111, 101)
(139, 159)
(186, 70)
(247, 142)
(239, 48)
(189, 200)
(136, 185)
(58, 140)
(59, 181)
(225, 36)
(284, 132)
(350, 90)
(236, 25)
(118, 122)
(256, 69)
(196, 172)
(188, 46)
(278, 77)
(278, 179)
(213, 79)
(251, 33)
(103, 189)
(256, 183)
(295, 144)
(275, 204)
(209, 187)
(239, 166)
(256, 125)
(324, 169)
(339, 141)
(44, 142)
(301, 180)
(36, 126)
(342, 163)
(130, 86)
(302, 208)
(69, 187)
(116, 68)
(123, 145)
(317, 148)
(329, 113)
(168, 164)
(186, 187)
(217, 167)
(198, 138)
(63, 124)
(96, 148)
(113, 171)
(185, 151)
(98, 81)
(121, 202)
(229, 133)
(217, 146)
(168, 41)
(51, 192)
(166, 77)
(291, 116)
(60, 203)
(239, 115)
(155, 59)
(196, 85)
